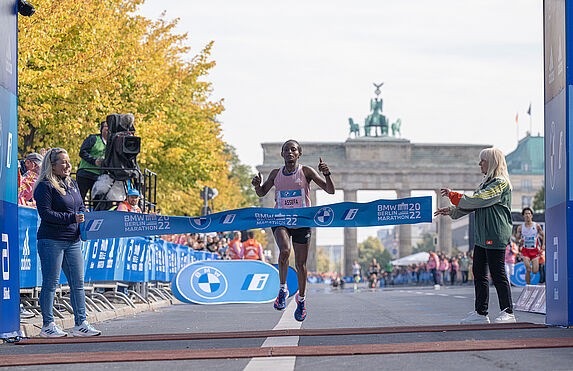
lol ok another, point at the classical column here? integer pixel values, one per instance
(311, 259)
(350, 239)
(444, 227)
(405, 230)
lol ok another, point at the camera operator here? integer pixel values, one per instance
(92, 153)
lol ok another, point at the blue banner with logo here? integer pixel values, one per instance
(226, 281)
(518, 276)
(106, 224)
(135, 259)
(9, 262)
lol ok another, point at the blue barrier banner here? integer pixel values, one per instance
(105, 224)
(226, 281)
(518, 276)
(135, 259)
(30, 274)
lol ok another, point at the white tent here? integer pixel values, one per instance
(417, 258)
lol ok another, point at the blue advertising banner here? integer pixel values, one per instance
(9, 250)
(226, 281)
(518, 276)
(558, 48)
(136, 259)
(30, 274)
(106, 224)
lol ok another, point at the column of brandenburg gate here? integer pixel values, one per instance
(384, 163)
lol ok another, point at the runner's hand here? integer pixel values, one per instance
(323, 167)
(257, 179)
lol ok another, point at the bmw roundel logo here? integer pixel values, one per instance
(200, 223)
(324, 216)
(209, 283)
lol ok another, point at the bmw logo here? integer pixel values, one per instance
(324, 216)
(209, 283)
(200, 223)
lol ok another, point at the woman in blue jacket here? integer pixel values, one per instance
(61, 209)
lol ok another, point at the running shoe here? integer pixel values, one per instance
(85, 329)
(505, 317)
(280, 301)
(52, 331)
(474, 317)
(300, 311)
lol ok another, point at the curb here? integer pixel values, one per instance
(32, 329)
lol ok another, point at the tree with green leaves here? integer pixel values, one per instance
(372, 248)
(79, 61)
(539, 200)
(427, 243)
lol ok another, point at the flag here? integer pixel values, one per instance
(529, 110)
(517, 118)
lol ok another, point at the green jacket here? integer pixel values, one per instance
(492, 205)
(92, 148)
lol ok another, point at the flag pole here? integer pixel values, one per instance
(517, 127)
(530, 120)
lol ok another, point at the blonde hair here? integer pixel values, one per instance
(47, 172)
(496, 165)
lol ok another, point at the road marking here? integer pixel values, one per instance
(286, 322)
(460, 297)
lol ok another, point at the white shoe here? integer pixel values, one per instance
(505, 317)
(52, 331)
(474, 317)
(85, 329)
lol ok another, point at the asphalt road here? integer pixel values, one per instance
(328, 308)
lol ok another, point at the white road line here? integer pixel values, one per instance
(286, 322)
(460, 297)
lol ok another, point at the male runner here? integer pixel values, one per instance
(292, 190)
(531, 241)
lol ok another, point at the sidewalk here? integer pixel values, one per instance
(31, 327)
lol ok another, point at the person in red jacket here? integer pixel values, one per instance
(252, 249)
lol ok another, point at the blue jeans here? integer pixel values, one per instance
(66, 255)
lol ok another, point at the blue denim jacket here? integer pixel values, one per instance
(57, 211)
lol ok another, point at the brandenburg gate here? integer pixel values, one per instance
(383, 162)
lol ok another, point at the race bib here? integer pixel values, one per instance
(290, 199)
(529, 242)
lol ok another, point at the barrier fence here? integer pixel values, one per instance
(129, 259)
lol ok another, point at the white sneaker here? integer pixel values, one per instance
(52, 331)
(505, 317)
(474, 317)
(85, 329)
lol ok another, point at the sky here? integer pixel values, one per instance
(454, 71)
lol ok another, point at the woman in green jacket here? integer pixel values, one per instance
(491, 203)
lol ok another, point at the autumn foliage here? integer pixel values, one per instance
(82, 60)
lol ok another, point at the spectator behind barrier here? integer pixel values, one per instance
(131, 202)
(252, 249)
(32, 163)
